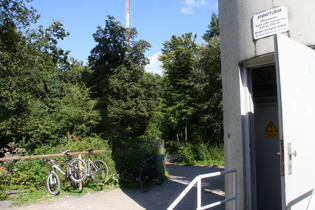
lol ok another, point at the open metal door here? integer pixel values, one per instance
(295, 64)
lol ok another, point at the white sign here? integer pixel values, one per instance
(270, 22)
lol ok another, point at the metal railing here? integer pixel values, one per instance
(198, 181)
(311, 204)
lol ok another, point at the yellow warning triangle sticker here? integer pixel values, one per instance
(271, 131)
(271, 127)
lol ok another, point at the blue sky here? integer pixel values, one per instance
(155, 20)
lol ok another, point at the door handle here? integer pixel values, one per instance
(293, 153)
(290, 153)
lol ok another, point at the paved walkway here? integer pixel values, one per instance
(158, 197)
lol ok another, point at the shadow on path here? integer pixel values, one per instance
(161, 197)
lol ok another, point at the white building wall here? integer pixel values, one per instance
(237, 45)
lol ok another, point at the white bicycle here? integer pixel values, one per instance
(97, 169)
(75, 172)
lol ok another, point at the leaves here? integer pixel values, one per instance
(178, 57)
(119, 81)
(43, 97)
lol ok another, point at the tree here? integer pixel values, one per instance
(177, 58)
(207, 86)
(14, 16)
(117, 79)
(213, 28)
(112, 51)
(42, 98)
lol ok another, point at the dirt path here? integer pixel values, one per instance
(159, 197)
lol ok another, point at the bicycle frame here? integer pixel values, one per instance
(55, 166)
(90, 165)
(95, 169)
(72, 173)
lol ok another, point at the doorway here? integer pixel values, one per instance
(265, 158)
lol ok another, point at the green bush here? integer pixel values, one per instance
(23, 175)
(3, 176)
(82, 145)
(30, 174)
(172, 147)
(203, 152)
(197, 153)
(186, 154)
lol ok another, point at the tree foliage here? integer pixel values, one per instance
(119, 82)
(113, 51)
(207, 84)
(48, 98)
(177, 58)
(39, 100)
(213, 28)
(193, 92)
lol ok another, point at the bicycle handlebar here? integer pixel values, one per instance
(90, 151)
(66, 152)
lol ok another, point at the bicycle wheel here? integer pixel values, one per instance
(157, 176)
(53, 183)
(76, 173)
(99, 171)
(144, 181)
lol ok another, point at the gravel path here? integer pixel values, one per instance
(158, 197)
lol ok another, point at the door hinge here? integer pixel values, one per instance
(281, 153)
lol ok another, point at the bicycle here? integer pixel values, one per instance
(149, 174)
(97, 169)
(73, 172)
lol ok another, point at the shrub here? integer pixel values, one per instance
(186, 154)
(30, 174)
(198, 153)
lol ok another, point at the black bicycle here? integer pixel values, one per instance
(75, 172)
(149, 174)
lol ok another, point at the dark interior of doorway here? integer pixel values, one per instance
(264, 160)
(264, 85)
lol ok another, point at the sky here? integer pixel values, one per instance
(155, 20)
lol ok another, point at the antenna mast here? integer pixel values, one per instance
(127, 20)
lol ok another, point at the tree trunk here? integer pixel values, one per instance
(186, 133)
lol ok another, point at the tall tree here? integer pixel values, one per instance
(207, 84)
(111, 51)
(177, 58)
(14, 16)
(213, 28)
(117, 79)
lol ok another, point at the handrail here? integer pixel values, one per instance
(49, 155)
(311, 203)
(198, 181)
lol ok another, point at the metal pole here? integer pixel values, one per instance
(127, 14)
(127, 20)
(311, 204)
(199, 194)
